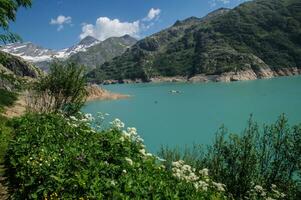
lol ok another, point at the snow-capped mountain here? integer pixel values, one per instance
(29, 51)
(82, 46)
(89, 52)
(37, 54)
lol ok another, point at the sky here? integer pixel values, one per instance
(58, 24)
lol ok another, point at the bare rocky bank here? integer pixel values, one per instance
(94, 93)
(249, 74)
(97, 93)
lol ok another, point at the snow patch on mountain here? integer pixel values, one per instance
(36, 54)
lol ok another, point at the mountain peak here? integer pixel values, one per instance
(126, 36)
(88, 40)
(216, 13)
(187, 21)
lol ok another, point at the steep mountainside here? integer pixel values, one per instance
(14, 71)
(18, 66)
(260, 36)
(103, 51)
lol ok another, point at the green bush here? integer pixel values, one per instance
(7, 98)
(262, 160)
(53, 157)
(5, 136)
(63, 89)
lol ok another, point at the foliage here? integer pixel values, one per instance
(254, 35)
(65, 86)
(8, 13)
(6, 98)
(53, 157)
(252, 161)
(5, 136)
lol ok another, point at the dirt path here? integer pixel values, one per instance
(17, 109)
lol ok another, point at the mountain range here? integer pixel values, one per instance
(259, 38)
(89, 51)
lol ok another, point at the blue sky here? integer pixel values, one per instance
(59, 24)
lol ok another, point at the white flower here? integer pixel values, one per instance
(282, 195)
(122, 139)
(84, 120)
(73, 118)
(89, 117)
(201, 185)
(126, 134)
(142, 151)
(129, 161)
(132, 131)
(117, 123)
(124, 171)
(204, 172)
(258, 188)
(219, 186)
(113, 182)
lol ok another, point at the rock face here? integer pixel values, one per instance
(18, 66)
(263, 73)
(14, 71)
(254, 37)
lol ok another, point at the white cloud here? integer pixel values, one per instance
(152, 14)
(214, 3)
(60, 21)
(105, 27)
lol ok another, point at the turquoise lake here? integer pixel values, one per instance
(194, 115)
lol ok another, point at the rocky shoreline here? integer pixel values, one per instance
(249, 74)
(97, 93)
(94, 93)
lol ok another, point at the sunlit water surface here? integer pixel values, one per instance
(194, 115)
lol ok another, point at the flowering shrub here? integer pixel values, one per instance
(258, 192)
(201, 179)
(53, 157)
(257, 164)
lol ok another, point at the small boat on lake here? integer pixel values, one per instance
(174, 91)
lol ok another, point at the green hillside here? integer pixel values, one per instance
(254, 35)
(104, 51)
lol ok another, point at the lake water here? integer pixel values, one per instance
(194, 115)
